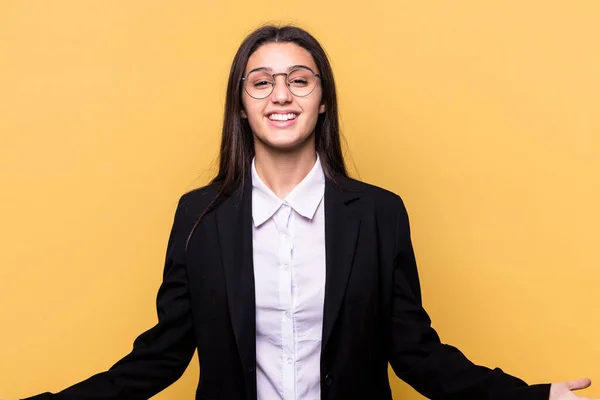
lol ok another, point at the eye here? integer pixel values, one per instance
(261, 84)
(298, 82)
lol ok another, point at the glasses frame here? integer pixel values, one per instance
(244, 81)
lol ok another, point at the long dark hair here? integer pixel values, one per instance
(237, 141)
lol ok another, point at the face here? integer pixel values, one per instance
(282, 121)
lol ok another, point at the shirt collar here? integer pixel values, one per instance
(304, 198)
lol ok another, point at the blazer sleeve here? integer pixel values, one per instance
(434, 369)
(161, 354)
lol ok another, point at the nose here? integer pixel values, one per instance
(281, 93)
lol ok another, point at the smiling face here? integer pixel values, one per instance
(282, 121)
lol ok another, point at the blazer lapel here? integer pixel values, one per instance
(234, 226)
(342, 223)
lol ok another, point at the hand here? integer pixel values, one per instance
(563, 390)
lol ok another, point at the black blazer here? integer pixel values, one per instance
(372, 312)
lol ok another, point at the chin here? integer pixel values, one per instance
(285, 144)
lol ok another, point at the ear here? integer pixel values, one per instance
(244, 115)
(322, 108)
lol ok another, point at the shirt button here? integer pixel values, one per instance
(289, 360)
(287, 314)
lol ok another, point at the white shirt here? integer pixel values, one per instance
(289, 273)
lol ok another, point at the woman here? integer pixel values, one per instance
(292, 280)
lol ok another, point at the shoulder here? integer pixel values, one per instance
(383, 200)
(197, 200)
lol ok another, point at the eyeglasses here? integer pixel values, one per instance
(301, 81)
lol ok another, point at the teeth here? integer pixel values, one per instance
(282, 117)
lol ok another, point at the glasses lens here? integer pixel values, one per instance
(259, 84)
(301, 82)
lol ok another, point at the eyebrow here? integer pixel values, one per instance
(269, 69)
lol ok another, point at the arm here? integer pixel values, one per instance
(417, 356)
(161, 354)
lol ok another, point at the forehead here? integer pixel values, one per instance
(279, 57)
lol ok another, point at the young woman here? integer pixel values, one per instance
(291, 279)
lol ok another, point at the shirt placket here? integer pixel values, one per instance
(284, 224)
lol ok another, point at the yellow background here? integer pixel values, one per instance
(483, 115)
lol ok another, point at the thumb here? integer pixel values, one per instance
(579, 384)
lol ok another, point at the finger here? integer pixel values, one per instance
(579, 384)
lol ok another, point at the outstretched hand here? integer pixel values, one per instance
(564, 390)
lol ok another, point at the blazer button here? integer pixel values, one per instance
(251, 368)
(328, 380)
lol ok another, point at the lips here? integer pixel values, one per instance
(282, 119)
(282, 116)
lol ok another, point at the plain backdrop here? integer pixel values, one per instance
(482, 115)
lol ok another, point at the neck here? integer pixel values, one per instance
(283, 171)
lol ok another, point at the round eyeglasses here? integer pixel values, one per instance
(259, 84)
